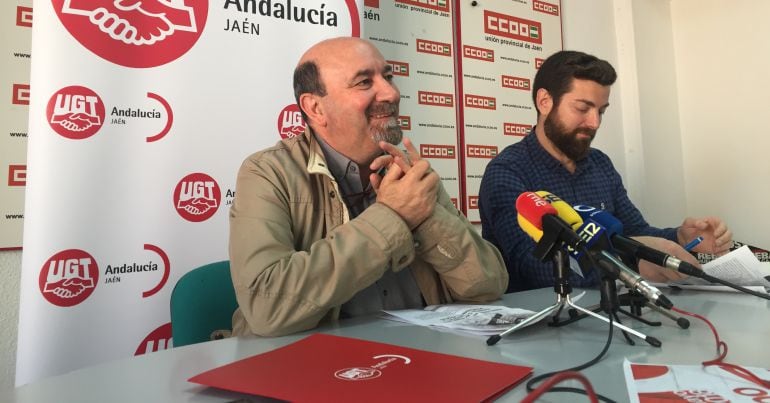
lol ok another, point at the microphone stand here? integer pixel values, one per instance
(609, 302)
(636, 301)
(563, 290)
(633, 299)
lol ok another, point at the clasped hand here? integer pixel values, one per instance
(409, 187)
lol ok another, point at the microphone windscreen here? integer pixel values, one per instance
(533, 207)
(563, 209)
(529, 228)
(612, 225)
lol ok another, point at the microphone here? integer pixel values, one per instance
(541, 221)
(630, 278)
(632, 247)
(564, 210)
(595, 235)
(531, 207)
(644, 252)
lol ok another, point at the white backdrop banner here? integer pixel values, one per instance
(140, 115)
(15, 55)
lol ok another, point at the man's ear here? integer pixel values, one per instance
(543, 101)
(311, 105)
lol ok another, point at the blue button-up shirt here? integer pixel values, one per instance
(527, 166)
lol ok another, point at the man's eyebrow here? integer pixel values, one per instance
(368, 72)
(362, 73)
(591, 104)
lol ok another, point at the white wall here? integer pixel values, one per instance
(10, 272)
(722, 64)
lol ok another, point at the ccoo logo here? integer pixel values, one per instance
(290, 122)
(75, 112)
(134, 33)
(68, 277)
(197, 197)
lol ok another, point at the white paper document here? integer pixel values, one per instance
(739, 267)
(484, 320)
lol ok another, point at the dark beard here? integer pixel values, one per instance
(567, 142)
(389, 131)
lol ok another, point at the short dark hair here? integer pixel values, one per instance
(307, 79)
(558, 70)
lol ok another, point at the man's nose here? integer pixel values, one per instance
(594, 120)
(388, 91)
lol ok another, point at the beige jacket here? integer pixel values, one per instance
(295, 257)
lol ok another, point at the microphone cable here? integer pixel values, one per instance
(557, 375)
(548, 385)
(721, 347)
(713, 279)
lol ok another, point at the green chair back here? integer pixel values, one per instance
(202, 301)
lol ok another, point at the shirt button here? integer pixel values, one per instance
(385, 292)
(332, 194)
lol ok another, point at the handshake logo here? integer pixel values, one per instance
(68, 277)
(135, 33)
(197, 197)
(135, 22)
(75, 112)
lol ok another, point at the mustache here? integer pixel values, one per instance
(382, 108)
(589, 132)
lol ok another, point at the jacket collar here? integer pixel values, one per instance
(316, 163)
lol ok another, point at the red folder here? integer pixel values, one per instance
(324, 367)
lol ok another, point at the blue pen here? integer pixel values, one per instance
(693, 243)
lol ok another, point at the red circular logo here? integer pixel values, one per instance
(68, 277)
(290, 122)
(158, 339)
(75, 112)
(134, 33)
(357, 374)
(197, 197)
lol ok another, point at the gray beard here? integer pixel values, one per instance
(390, 132)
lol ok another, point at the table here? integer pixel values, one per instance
(743, 322)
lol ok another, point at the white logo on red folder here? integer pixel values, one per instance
(375, 371)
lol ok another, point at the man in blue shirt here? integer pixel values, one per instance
(571, 92)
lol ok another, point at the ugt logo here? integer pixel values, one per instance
(68, 277)
(75, 112)
(197, 197)
(290, 122)
(134, 33)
